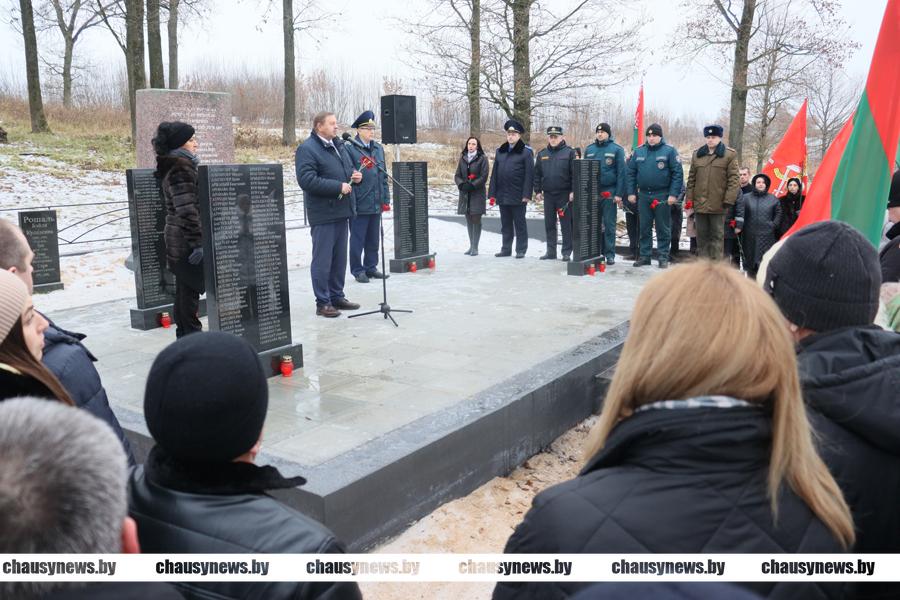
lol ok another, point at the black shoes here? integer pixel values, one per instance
(501, 254)
(641, 262)
(566, 258)
(611, 260)
(548, 256)
(362, 278)
(327, 311)
(376, 274)
(520, 255)
(344, 304)
(663, 264)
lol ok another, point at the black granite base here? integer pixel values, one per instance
(580, 267)
(145, 319)
(271, 359)
(46, 288)
(402, 265)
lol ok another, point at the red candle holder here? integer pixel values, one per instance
(413, 267)
(591, 270)
(603, 267)
(432, 264)
(165, 320)
(287, 366)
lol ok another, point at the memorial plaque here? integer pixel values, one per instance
(587, 239)
(154, 284)
(41, 231)
(208, 112)
(410, 216)
(245, 253)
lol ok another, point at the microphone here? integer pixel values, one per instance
(346, 136)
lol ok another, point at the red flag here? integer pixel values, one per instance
(638, 137)
(789, 158)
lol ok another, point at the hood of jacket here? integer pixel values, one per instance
(852, 376)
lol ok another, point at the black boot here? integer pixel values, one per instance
(469, 227)
(476, 237)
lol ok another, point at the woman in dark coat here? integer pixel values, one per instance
(471, 178)
(21, 345)
(176, 170)
(791, 203)
(717, 457)
(757, 217)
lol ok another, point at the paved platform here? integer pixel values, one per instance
(499, 357)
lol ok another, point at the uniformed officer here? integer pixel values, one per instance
(553, 185)
(653, 181)
(612, 184)
(372, 197)
(512, 181)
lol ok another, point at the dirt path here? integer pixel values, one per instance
(482, 521)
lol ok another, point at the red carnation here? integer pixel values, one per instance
(606, 194)
(366, 162)
(471, 176)
(560, 212)
(689, 204)
(654, 204)
(385, 207)
(493, 201)
(733, 223)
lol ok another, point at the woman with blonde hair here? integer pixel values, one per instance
(714, 456)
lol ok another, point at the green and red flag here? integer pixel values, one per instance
(852, 182)
(789, 158)
(637, 138)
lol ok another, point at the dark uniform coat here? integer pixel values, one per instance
(372, 192)
(512, 179)
(713, 180)
(612, 165)
(553, 169)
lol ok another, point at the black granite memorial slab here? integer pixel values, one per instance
(587, 241)
(410, 217)
(42, 232)
(245, 253)
(154, 284)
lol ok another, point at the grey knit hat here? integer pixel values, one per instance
(826, 276)
(13, 295)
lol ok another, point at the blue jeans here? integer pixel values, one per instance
(662, 216)
(364, 239)
(329, 260)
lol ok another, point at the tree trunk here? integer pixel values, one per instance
(522, 65)
(67, 71)
(739, 80)
(35, 100)
(289, 126)
(473, 93)
(173, 44)
(134, 36)
(154, 45)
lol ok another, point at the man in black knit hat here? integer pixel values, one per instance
(199, 490)
(826, 280)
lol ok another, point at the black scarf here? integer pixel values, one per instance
(225, 478)
(704, 150)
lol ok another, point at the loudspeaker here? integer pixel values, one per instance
(398, 119)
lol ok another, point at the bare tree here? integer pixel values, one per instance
(807, 29)
(35, 100)
(172, 35)
(440, 34)
(154, 45)
(539, 57)
(128, 15)
(833, 97)
(71, 19)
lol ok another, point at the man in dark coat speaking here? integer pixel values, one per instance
(325, 172)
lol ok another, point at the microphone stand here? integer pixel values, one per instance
(384, 308)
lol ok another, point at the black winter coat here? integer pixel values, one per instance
(73, 364)
(512, 179)
(320, 172)
(178, 181)
(472, 198)
(890, 256)
(222, 509)
(689, 480)
(14, 384)
(553, 169)
(851, 384)
(120, 590)
(790, 210)
(758, 216)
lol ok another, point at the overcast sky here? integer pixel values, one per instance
(365, 35)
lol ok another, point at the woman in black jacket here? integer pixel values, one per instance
(791, 203)
(471, 178)
(21, 345)
(176, 170)
(757, 217)
(715, 456)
